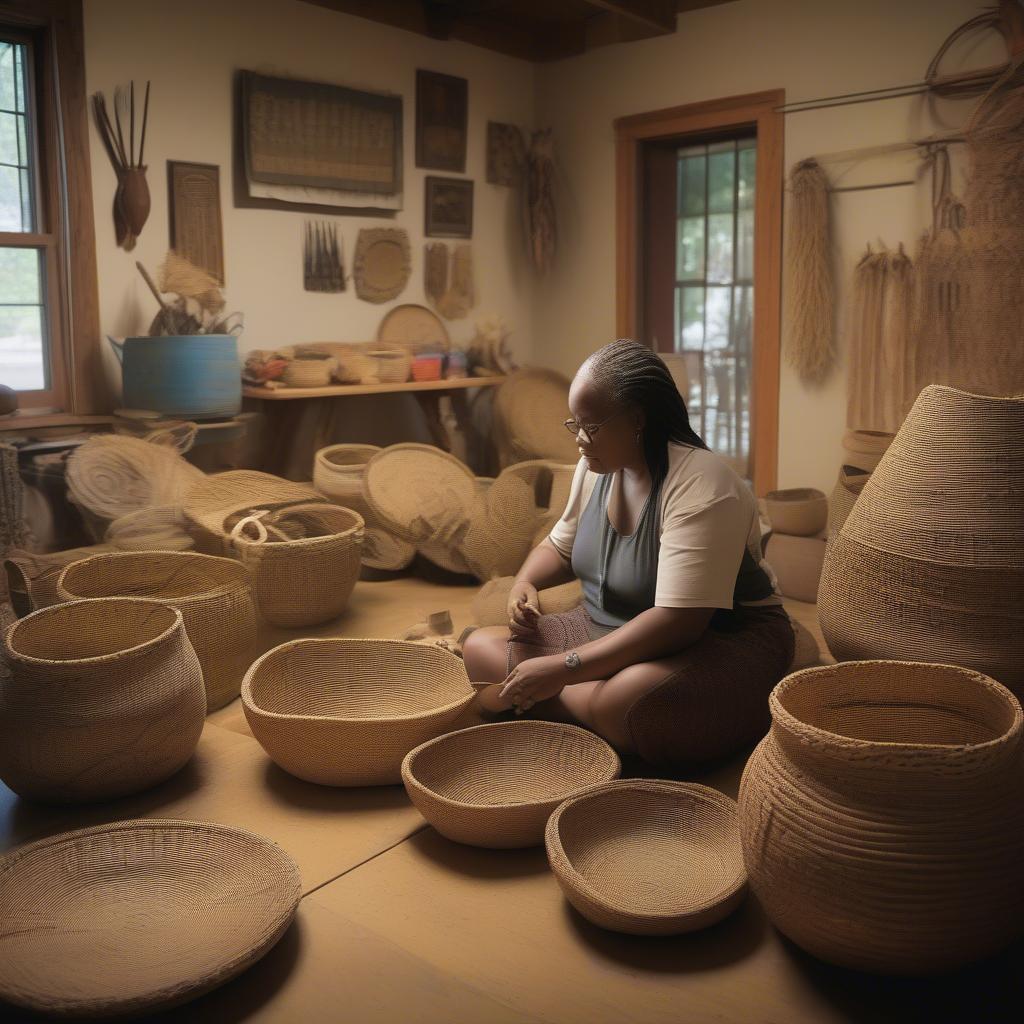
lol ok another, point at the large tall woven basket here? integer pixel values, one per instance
(929, 564)
(303, 580)
(214, 596)
(881, 818)
(105, 699)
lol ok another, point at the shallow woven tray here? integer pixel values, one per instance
(138, 915)
(344, 712)
(529, 409)
(496, 785)
(415, 328)
(648, 856)
(214, 596)
(799, 511)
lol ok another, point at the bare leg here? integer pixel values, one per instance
(485, 655)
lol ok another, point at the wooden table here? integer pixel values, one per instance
(283, 414)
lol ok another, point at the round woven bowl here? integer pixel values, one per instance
(391, 364)
(881, 818)
(799, 511)
(105, 699)
(796, 562)
(139, 915)
(308, 373)
(338, 474)
(306, 581)
(214, 596)
(648, 856)
(344, 712)
(496, 785)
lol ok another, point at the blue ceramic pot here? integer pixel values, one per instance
(195, 376)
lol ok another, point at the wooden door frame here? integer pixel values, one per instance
(753, 110)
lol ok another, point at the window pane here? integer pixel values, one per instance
(15, 199)
(7, 91)
(745, 245)
(748, 172)
(690, 200)
(10, 199)
(720, 247)
(9, 139)
(691, 315)
(22, 336)
(721, 179)
(718, 317)
(690, 249)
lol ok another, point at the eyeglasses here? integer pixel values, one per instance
(588, 431)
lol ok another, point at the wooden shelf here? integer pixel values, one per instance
(340, 390)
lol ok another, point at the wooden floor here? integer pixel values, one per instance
(397, 924)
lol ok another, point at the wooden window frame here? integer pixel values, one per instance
(65, 230)
(752, 110)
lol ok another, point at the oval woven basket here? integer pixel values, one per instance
(214, 596)
(799, 511)
(391, 365)
(881, 818)
(309, 373)
(344, 712)
(32, 578)
(929, 564)
(307, 575)
(648, 856)
(496, 785)
(105, 699)
(138, 915)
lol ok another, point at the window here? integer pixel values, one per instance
(698, 273)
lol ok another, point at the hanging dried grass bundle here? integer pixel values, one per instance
(460, 297)
(897, 370)
(809, 288)
(435, 271)
(540, 200)
(864, 380)
(184, 278)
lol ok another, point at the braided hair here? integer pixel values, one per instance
(635, 376)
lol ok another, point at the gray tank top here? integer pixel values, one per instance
(618, 573)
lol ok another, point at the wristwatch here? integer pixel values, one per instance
(572, 660)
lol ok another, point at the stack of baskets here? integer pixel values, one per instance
(796, 547)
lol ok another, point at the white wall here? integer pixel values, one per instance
(810, 48)
(189, 50)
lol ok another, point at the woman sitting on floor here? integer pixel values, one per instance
(681, 635)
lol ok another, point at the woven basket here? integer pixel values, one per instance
(847, 490)
(307, 580)
(138, 915)
(529, 410)
(881, 817)
(929, 564)
(344, 712)
(338, 474)
(161, 528)
(648, 856)
(214, 596)
(105, 699)
(798, 511)
(865, 448)
(32, 578)
(309, 373)
(496, 785)
(796, 562)
(391, 365)
(210, 503)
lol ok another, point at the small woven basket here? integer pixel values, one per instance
(496, 785)
(648, 856)
(138, 915)
(214, 596)
(344, 712)
(798, 511)
(865, 448)
(881, 817)
(306, 575)
(105, 699)
(338, 474)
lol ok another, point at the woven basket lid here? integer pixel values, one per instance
(217, 497)
(415, 328)
(531, 407)
(385, 551)
(190, 905)
(421, 493)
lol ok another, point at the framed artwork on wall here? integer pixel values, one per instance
(448, 207)
(193, 192)
(442, 111)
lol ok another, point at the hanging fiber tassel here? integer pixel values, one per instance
(864, 381)
(897, 393)
(809, 289)
(435, 271)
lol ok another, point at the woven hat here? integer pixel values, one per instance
(798, 511)
(529, 410)
(496, 785)
(304, 560)
(898, 784)
(648, 856)
(138, 915)
(344, 712)
(85, 675)
(214, 596)
(929, 564)
(848, 486)
(212, 500)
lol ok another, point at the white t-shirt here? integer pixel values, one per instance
(709, 554)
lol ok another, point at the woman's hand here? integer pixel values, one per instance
(534, 680)
(523, 609)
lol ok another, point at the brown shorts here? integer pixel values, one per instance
(713, 701)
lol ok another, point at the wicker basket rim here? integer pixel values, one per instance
(323, 456)
(358, 526)
(334, 641)
(782, 717)
(795, 494)
(712, 796)
(28, 659)
(229, 565)
(614, 761)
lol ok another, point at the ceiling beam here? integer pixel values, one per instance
(659, 15)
